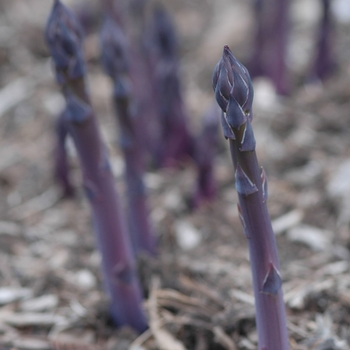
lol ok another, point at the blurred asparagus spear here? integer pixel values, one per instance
(323, 63)
(234, 93)
(115, 61)
(205, 148)
(64, 39)
(269, 56)
(176, 141)
(142, 76)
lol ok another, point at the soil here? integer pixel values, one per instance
(198, 292)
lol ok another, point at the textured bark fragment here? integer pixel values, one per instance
(244, 185)
(272, 282)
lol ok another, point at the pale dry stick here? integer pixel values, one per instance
(164, 339)
(141, 339)
(201, 288)
(223, 339)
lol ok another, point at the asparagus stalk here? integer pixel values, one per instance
(234, 93)
(271, 39)
(204, 155)
(142, 76)
(64, 39)
(256, 64)
(176, 141)
(115, 62)
(324, 61)
(115, 9)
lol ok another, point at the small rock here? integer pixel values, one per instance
(264, 94)
(85, 279)
(187, 236)
(173, 200)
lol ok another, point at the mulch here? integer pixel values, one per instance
(198, 292)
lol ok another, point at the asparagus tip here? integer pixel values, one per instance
(64, 38)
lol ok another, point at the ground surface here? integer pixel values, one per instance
(199, 293)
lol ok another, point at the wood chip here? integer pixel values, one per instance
(37, 204)
(242, 296)
(31, 344)
(14, 93)
(296, 298)
(10, 294)
(313, 237)
(9, 228)
(287, 221)
(30, 319)
(44, 302)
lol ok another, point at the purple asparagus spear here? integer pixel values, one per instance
(176, 141)
(205, 149)
(115, 62)
(234, 93)
(271, 40)
(324, 64)
(64, 39)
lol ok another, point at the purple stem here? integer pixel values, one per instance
(142, 235)
(256, 65)
(271, 42)
(234, 93)
(324, 62)
(143, 77)
(64, 39)
(176, 141)
(115, 62)
(204, 157)
(114, 10)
